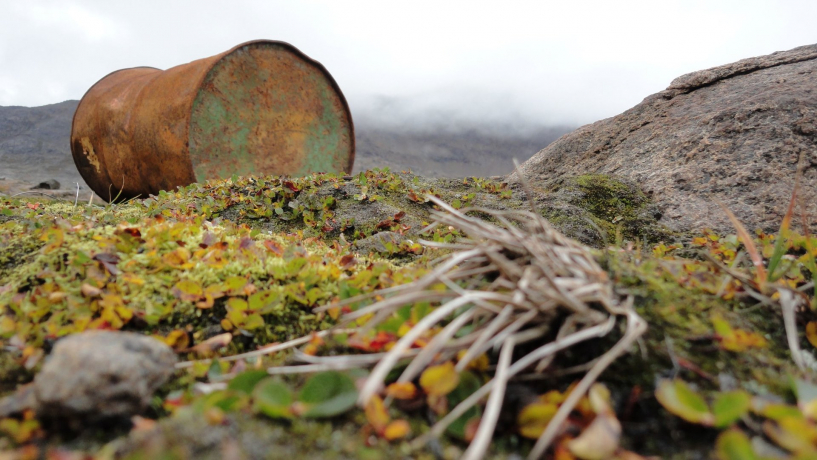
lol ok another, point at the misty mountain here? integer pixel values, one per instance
(34, 143)
(34, 146)
(466, 151)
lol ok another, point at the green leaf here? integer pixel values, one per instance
(261, 299)
(187, 290)
(227, 401)
(730, 407)
(214, 371)
(779, 411)
(237, 304)
(253, 321)
(469, 384)
(272, 398)
(245, 382)
(679, 399)
(734, 445)
(328, 394)
(294, 266)
(235, 283)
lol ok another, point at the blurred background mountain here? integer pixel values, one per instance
(34, 145)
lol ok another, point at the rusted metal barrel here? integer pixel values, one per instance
(260, 108)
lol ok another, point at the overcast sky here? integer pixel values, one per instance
(563, 62)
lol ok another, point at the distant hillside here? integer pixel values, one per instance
(34, 143)
(34, 146)
(466, 151)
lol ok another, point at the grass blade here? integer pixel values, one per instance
(749, 244)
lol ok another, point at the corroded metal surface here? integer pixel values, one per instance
(262, 107)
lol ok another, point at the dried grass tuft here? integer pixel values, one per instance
(516, 282)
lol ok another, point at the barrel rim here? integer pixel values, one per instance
(334, 84)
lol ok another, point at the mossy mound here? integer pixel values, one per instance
(254, 256)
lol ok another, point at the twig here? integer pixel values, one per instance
(34, 192)
(487, 425)
(266, 350)
(788, 304)
(527, 360)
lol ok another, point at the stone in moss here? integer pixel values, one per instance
(599, 208)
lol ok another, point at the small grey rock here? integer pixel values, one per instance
(100, 375)
(50, 184)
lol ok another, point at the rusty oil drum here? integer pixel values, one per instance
(260, 108)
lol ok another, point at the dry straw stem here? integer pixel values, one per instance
(512, 283)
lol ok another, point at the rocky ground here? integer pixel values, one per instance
(218, 269)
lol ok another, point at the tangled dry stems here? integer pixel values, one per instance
(514, 282)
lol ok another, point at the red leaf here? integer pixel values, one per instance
(274, 247)
(348, 261)
(290, 185)
(108, 261)
(384, 224)
(245, 242)
(134, 232)
(208, 239)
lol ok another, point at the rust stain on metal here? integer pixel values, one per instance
(260, 108)
(88, 151)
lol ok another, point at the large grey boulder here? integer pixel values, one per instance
(101, 375)
(732, 134)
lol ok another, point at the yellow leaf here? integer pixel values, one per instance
(7, 324)
(403, 329)
(177, 339)
(208, 302)
(479, 363)
(376, 414)
(553, 396)
(811, 333)
(133, 279)
(534, 417)
(187, 291)
(397, 429)
(334, 312)
(178, 258)
(440, 380)
(401, 390)
(736, 339)
(794, 434)
(54, 237)
(599, 397)
(599, 440)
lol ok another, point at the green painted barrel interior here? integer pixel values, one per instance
(263, 109)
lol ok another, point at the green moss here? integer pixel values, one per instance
(595, 208)
(64, 269)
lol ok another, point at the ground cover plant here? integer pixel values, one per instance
(311, 321)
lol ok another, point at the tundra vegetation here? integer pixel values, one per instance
(384, 314)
